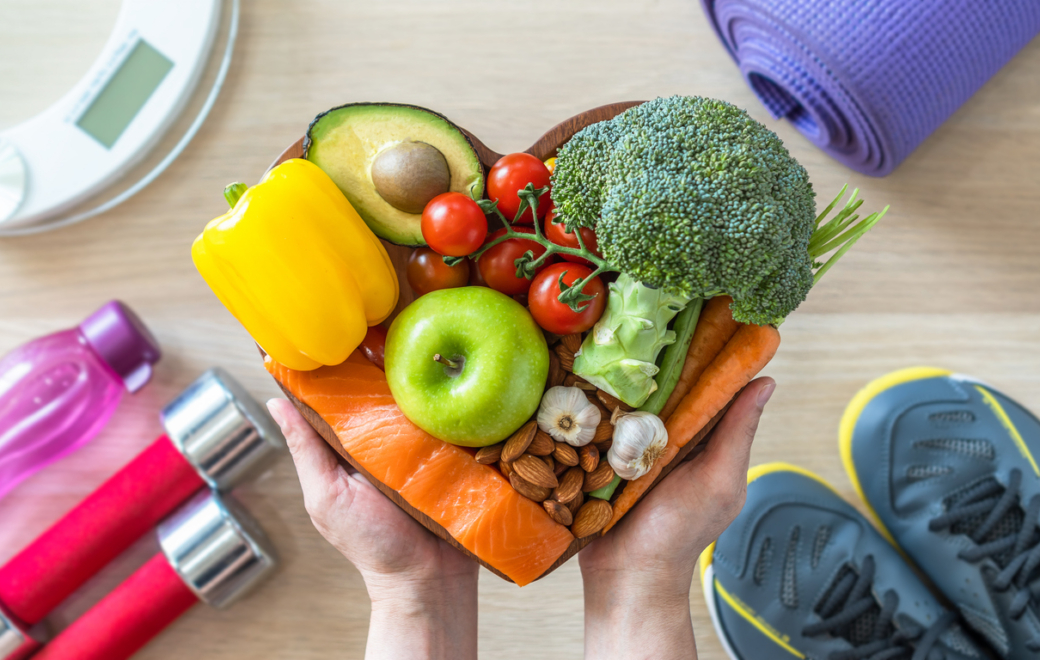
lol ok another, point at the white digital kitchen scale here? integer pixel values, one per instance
(114, 116)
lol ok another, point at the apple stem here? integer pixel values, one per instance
(445, 361)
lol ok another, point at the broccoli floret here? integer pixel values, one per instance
(581, 189)
(694, 196)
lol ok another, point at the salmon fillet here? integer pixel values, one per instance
(473, 502)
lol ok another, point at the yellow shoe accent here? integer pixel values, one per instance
(851, 416)
(758, 622)
(998, 410)
(780, 466)
(755, 473)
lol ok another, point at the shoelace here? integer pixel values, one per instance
(851, 598)
(1019, 551)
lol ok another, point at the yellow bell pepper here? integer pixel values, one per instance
(297, 266)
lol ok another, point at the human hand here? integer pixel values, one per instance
(423, 591)
(638, 577)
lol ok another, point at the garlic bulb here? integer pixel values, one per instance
(568, 416)
(639, 440)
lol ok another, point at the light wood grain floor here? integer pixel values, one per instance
(951, 278)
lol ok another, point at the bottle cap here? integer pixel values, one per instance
(121, 339)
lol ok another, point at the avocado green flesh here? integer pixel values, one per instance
(345, 141)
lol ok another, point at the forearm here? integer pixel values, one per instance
(429, 621)
(628, 622)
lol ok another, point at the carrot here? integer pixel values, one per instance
(750, 349)
(714, 329)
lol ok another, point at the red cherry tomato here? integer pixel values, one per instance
(426, 271)
(498, 267)
(557, 234)
(453, 224)
(512, 173)
(373, 346)
(557, 317)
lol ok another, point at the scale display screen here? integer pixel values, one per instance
(124, 94)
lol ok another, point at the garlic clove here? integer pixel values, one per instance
(568, 416)
(640, 439)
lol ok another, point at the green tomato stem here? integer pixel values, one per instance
(551, 249)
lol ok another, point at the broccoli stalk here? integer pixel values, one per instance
(619, 355)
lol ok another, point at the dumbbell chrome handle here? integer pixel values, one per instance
(15, 642)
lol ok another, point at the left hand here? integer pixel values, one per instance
(379, 538)
(423, 591)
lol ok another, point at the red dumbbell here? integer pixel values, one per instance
(212, 551)
(217, 435)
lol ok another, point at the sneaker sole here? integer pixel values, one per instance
(709, 585)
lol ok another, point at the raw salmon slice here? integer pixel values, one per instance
(473, 502)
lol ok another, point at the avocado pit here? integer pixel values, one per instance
(407, 175)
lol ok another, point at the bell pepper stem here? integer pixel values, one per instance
(233, 192)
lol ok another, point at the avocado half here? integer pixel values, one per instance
(346, 141)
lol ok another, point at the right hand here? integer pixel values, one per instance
(646, 563)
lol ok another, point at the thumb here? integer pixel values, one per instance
(316, 465)
(729, 447)
(723, 464)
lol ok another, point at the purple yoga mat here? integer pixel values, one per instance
(868, 80)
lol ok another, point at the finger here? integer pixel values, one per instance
(316, 463)
(728, 451)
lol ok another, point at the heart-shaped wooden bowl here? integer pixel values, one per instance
(545, 147)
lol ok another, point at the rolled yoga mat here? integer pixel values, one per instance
(868, 80)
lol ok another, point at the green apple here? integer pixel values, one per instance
(466, 365)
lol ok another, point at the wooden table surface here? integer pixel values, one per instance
(950, 278)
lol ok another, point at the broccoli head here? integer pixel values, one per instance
(694, 196)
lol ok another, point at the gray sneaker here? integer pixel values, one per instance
(800, 573)
(946, 464)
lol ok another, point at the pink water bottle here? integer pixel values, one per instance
(58, 391)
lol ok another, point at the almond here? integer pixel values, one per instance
(565, 454)
(570, 485)
(604, 431)
(560, 469)
(572, 342)
(548, 460)
(604, 413)
(612, 402)
(577, 381)
(489, 455)
(529, 490)
(604, 446)
(518, 443)
(542, 445)
(589, 457)
(591, 517)
(601, 477)
(559, 512)
(575, 505)
(557, 376)
(534, 470)
(505, 468)
(566, 356)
